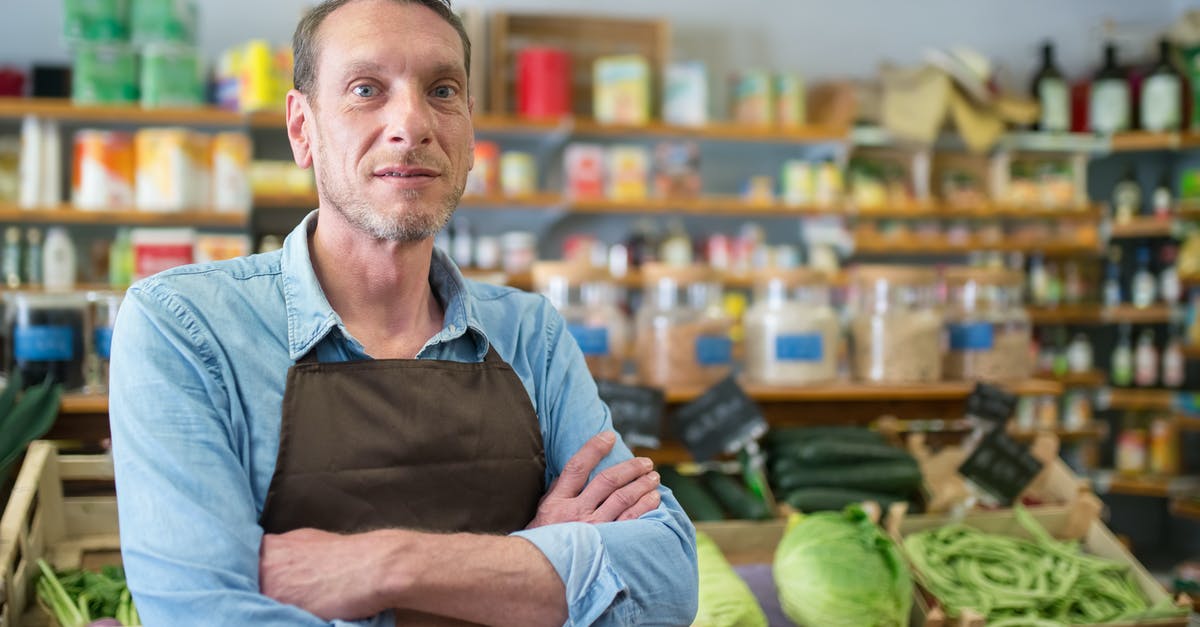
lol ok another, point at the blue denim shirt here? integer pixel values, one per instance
(199, 360)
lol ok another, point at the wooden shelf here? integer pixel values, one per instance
(914, 245)
(1157, 486)
(64, 109)
(1143, 227)
(1186, 508)
(1091, 378)
(716, 131)
(66, 214)
(1154, 314)
(854, 392)
(307, 202)
(1189, 280)
(1187, 423)
(1191, 352)
(1142, 141)
(1095, 314)
(938, 211)
(669, 453)
(84, 404)
(1139, 400)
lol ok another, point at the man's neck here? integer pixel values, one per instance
(379, 288)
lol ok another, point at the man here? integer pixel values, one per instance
(346, 429)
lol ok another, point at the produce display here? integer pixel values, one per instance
(709, 495)
(725, 600)
(838, 568)
(25, 415)
(83, 598)
(1042, 582)
(828, 468)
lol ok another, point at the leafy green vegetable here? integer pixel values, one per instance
(78, 596)
(725, 600)
(838, 568)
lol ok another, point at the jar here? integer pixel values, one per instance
(792, 332)
(587, 299)
(518, 251)
(989, 333)
(102, 307)
(896, 325)
(683, 334)
(47, 332)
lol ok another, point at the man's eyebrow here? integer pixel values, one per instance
(359, 68)
(448, 69)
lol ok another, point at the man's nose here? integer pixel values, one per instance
(410, 118)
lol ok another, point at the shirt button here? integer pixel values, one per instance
(452, 329)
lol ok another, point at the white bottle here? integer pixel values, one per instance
(30, 166)
(58, 260)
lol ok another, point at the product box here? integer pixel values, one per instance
(685, 94)
(231, 154)
(157, 249)
(789, 101)
(174, 169)
(585, 170)
(621, 90)
(96, 20)
(172, 75)
(628, 173)
(677, 170)
(104, 73)
(753, 100)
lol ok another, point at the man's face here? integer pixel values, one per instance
(388, 122)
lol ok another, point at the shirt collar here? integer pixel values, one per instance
(310, 316)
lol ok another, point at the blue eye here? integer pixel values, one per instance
(444, 91)
(363, 91)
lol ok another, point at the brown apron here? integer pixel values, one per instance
(406, 443)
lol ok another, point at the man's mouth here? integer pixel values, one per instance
(405, 173)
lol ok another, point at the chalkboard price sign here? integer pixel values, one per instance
(722, 420)
(1001, 466)
(636, 412)
(991, 403)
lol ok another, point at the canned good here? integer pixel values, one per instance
(102, 176)
(482, 180)
(230, 163)
(172, 170)
(518, 174)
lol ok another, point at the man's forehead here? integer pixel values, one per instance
(360, 26)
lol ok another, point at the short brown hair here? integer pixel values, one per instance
(304, 41)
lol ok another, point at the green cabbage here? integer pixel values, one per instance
(838, 568)
(725, 600)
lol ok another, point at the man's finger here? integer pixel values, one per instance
(612, 479)
(575, 473)
(645, 505)
(626, 498)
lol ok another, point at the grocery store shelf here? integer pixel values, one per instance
(1143, 140)
(66, 214)
(1158, 486)
(1139, 400)
(915, 245)
(716, 131)
(925, 211)
(1191, 352)
(853, 392)
(1189, 280)
(1091, 378)
(1143, 227)
(669, 453)
(1186, 508)
(1154, 314)
(1095, 314)
(83, 404)
(64, 109)
(1187, 423)
(286, 201)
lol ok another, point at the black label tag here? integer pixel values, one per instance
(1001, 466)
(991, 403)
(722, 420)
(636, 412)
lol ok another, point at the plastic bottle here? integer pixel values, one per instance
(1121, 363)
(1173, 360)
(58, 260)
(33, 257)
(1146, 360)
(10, 268)
(1144, 285)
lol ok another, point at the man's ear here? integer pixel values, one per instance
(297, 114)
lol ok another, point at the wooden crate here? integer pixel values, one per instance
(1078, 521)
(39, 522)
(584, 38)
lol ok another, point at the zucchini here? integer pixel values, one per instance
(735, 498)
(698, 503)
(792, 435)
(834, 499)
(834, 452)
(901, 476)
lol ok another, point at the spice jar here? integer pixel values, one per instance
(792, 332)
(683, 334)
(896, 325)
(103, 308)
(988, 329)
(47, 332)
(587, 299)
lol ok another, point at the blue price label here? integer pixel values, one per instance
(714, 350)
(799, 347)
(102, 342)
(974, 336)
(593, 341)
(44, 343)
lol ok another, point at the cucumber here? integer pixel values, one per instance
(735, 497)
(698, 503)
(834, 499)
(834, 452)
(901, 476)
(792, 435)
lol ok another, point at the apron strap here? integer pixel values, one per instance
(311, 356)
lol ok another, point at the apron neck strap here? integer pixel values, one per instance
(490, 357)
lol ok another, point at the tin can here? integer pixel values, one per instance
(628, 173)
(482, 180)
(102, 175)
(518, 174)
(230, 164)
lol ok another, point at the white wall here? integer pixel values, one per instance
(814, 37)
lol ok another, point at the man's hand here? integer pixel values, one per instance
(324, 573)
(622, 492)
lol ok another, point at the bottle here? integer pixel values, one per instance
(1162, 94)
(1039, 281)
(1126, 198)
(1162, 199)
(1111, 293)
(1050, 90)
(1168, 276)
(10, 267)
(1145, 360)
(1121, 366)
(1073, 287)
(1131, 446)
(33, 257)
(1173, 360)
(1079, 354)
(1108, 110)
(1061, 357)
(58, 260)
(120, 260)
(1144, 285)
(1054, 285)
(462, 245)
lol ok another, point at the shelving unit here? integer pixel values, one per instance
(1186, 508)
(1186, 423)
(1157, 486)
(859, 392)
(1096, 314)
(66, 214)
(64, 109)
(1141, 400)
(1143, 227)
(916, 245)
(1090, 379)
(1142, 141)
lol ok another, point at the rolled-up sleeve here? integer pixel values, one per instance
(637, 572)
(190, 537)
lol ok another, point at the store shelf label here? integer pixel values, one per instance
(799, 347)
(973, 336)
(636, 412)
(592, 340)
(714, 350)
(1001, 466)
(722, 420)
(991, 403)
(43, 343)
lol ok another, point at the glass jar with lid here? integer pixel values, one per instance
(988, 330)
(792, 332)
(102, 309)
(683, 334)
(47, 333)
(587, 298)
(896, 326)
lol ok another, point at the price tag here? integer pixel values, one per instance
(1001, 466)
(722, 420)
(991, 403)
(636, 412)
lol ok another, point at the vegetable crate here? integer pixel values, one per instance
(39, 522)
(1078, 521)
(584, 38)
